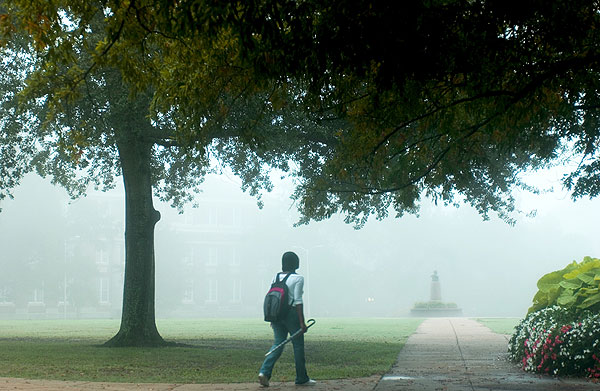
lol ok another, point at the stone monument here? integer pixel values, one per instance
(436, 289)
(435, 306)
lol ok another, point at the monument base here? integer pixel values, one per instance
(435, 312)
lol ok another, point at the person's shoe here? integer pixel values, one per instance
(263, 379)
(309, 382)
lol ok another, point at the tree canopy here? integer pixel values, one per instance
(387, 102)
(368, 105)
(440, 97)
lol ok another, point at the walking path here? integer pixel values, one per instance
(458, 354)
(446, 354)
(362, 384)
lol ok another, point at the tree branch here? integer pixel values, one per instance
(371, 190)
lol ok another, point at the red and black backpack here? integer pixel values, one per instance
(276, 305)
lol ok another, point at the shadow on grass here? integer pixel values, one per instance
(216, 360)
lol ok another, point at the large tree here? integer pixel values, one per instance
(70, 113)
(95, 136)
(376, 104)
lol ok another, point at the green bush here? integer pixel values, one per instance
(561, 333)
(575, 286)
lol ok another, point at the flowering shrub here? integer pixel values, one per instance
(558, 341)
(561, 333)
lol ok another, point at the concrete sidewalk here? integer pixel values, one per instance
(453, 354)
(13, 384)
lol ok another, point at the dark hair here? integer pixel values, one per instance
(289, 262)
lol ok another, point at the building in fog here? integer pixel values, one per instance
(72, 269)
(206, 260)
(203, 262)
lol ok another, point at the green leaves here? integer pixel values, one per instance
(570, 284)
(576, 286)
(463, 98)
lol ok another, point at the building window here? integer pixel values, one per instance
(235, 260)
(5, 295)
(237, 291)
(237, 221)
(38, 295)
(213, 218)
(188, 292)
(104, 290)
(101, 257)
(213, 257)
(189, 259)
(213, 288)
(227, 216)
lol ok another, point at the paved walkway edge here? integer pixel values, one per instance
(459, 354)
(16, 384)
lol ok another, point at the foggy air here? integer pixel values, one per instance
(217, 260)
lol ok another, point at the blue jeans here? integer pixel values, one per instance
(281, 330)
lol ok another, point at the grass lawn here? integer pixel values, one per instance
(220, 351)
(500, 325)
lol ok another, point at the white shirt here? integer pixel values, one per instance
(295, 283)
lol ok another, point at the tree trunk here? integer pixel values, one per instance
(138, 325)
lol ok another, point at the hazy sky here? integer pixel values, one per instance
(487, 267)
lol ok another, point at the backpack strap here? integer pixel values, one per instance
(284, 278)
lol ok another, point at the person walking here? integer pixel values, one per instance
(293, 321)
